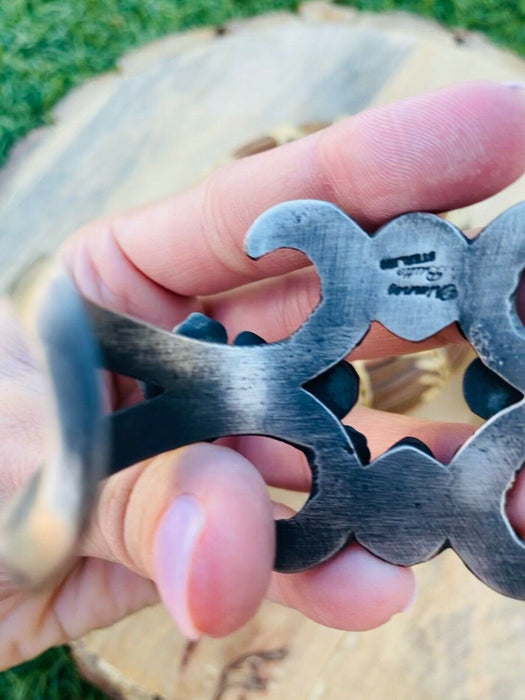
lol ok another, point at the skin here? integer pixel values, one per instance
(195, 526)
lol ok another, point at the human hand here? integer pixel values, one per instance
(196, 525)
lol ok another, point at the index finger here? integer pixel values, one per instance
(434, 152)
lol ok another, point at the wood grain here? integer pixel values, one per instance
(459, 641)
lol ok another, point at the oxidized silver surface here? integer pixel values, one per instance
(416, 275)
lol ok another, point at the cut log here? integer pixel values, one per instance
(172, 111)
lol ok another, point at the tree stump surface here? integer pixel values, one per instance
(172, 111)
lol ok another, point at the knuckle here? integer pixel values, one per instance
(99, 264)
(219, 220)
(116, 517)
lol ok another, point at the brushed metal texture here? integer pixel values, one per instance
(416, 275)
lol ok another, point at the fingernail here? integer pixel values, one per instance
(514, 84)
(175, 543)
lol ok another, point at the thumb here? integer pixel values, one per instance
(198, 521)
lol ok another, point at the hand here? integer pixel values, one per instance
(196, 525)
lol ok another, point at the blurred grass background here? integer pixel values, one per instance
(49, 46)
(52, 676)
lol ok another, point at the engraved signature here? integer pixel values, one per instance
(443, 292)
(431, 272)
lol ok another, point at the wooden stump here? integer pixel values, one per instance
(171, 112)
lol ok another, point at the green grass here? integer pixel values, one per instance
(49, 46)
(51, 676)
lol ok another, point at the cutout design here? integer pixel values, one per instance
(418, 274)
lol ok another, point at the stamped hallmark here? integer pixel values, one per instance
(443, 292)
(407, 260)
(432, 273)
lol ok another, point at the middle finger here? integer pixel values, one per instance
(275, 308)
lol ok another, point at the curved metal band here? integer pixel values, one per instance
(416, 275)
(40, 526)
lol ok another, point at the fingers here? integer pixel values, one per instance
(353, 591)
(515, 505)
(275, 308)
(283, 466)
(104, 274)
(199, 523)
(435, 152)
(94, 594)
